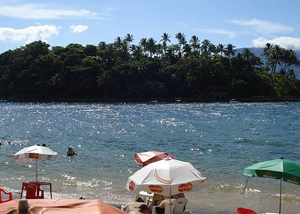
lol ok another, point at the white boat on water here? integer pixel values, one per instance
(233, 101)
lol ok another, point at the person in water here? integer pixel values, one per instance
(71, 151)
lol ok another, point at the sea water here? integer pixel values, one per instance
(219, 139)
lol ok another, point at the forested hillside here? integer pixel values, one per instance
(191, 70)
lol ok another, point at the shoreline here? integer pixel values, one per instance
(157, 100)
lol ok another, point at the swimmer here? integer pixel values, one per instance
(71, 152)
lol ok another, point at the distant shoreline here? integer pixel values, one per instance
(158, 100)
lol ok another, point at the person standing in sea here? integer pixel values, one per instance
(71, 151)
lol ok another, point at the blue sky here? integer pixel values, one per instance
(243, 23)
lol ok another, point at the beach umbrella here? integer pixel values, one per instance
(145, 158)
(166, 177)
(34, 153)
(281, 169)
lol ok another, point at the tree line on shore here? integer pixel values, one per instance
(189, 69)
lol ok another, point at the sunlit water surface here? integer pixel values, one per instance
(218, 139)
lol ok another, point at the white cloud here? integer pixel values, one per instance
(38, 11)
(29, 34)
(230, 34)
(265, 27)
(284, 42)
(78, 28)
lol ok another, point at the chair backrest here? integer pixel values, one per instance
(33, 191)
(179, 205)
(5, 193)
(242, 210)
(169, 205)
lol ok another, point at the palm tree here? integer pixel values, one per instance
(288, 60)
(124, 52)
(128, 39)
(181, 41)
(229, 50)
(187, 49)
(137, 51)
(205, 47)
(181, 38)
(107, 53)
(151, 47)
(118, 42)
(294, 61)
(159, 50)
(165, 38)
(143, 44)
(172, 50)
(195, 43)
(275, 57)
(246, 54)
(221, 49)
(267, 54)
(212, 49)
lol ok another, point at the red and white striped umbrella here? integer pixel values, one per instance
(145, 158)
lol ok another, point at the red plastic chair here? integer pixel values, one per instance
(242, 210)
(6, 193)
(33, 191)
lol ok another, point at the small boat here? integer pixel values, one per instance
(285, 103)
(233, 101)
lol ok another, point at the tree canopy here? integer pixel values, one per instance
(189, 69)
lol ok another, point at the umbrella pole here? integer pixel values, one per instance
(280, 196)
(170, 200)
(36, 176)
(245, 185)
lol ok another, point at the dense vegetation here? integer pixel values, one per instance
(190, 70)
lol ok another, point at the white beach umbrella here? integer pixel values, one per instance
(166, 177)
(34, 153)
